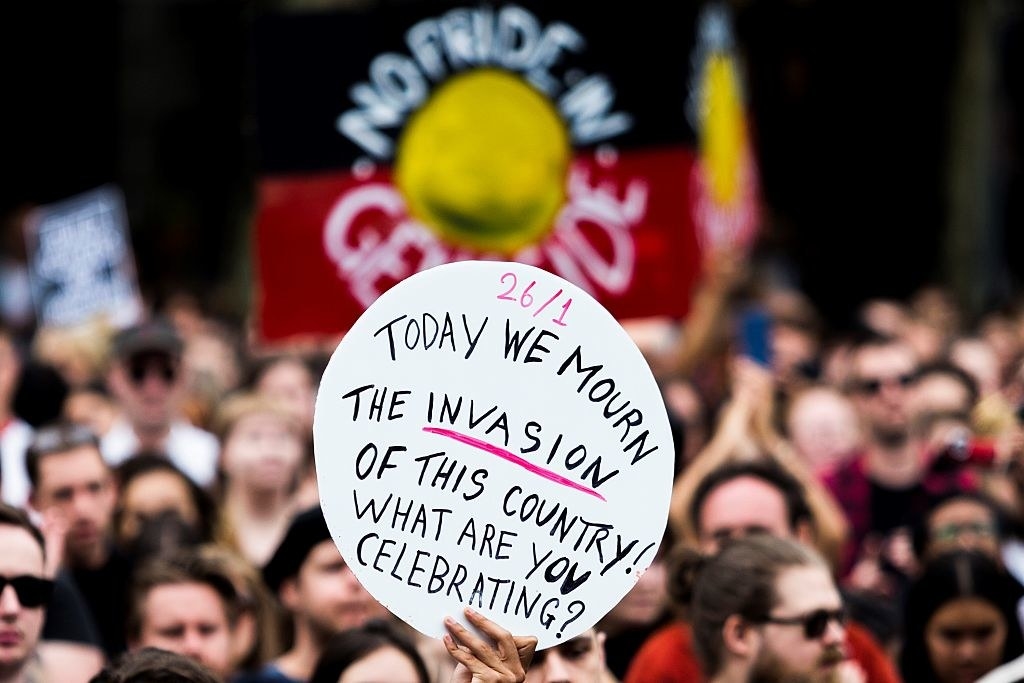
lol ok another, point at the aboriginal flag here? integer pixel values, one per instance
(607, 146)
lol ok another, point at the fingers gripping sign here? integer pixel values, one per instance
(504, 660)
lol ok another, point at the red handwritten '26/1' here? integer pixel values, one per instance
(526, 299)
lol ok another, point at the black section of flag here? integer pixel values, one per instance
(306, 65)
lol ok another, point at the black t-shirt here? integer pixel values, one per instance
(105, 590)
(67, 615)
(892, 508)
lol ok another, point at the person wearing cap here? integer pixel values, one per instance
(318, 589)
(145, 377)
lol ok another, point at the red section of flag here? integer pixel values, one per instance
(327, 244)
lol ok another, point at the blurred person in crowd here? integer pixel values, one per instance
(960, 620)
(578, 660)
(950, 448)
(318, 589)
(962, 520)
(746, 433)
(943, 387)
(999, 330)
(835, 361)
(24, 593)
(995, 412)
(928, 342)
(884, 317)
(289, 380)
(685, 402)
(734, 501)
(928, 321)
(257, 633)
(292, 380)
(925, 331)
(950, 418)
(145, 377)
(77, 352)
(153, 665)
(936, 306)
(212, 367)
(150, 487)
(795, 350)
(15, 433)
(641, 612)
(822, 425)
(376, 651)
(73, 486)
(261, 460)
(796, 343)
(91, 404)
(187, 605)
(183, 310)
(967, 521)
(975, 357)
(766, 609)
(882, 488)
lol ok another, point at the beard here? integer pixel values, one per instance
(770, 668)
(890, 436)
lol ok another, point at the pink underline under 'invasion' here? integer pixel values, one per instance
(513, 458)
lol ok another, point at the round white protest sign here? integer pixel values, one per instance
(487, 435)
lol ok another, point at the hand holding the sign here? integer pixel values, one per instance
(506, 661)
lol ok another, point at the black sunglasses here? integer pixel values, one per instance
(873, 386)
(32, 591)
(141, 366)
(815, 623)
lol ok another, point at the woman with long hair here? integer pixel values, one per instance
(960, 620)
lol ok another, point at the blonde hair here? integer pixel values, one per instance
(85, 345)
(246, 403)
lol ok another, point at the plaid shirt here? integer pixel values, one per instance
(850, 485)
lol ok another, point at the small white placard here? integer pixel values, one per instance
(81, 262)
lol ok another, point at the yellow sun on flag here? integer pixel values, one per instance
(484, 162)
(722, 135)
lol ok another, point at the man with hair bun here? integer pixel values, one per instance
(733, 501)
(767, 609)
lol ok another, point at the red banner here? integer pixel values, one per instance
(487, 133)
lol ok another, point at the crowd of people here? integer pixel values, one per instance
(851, 510)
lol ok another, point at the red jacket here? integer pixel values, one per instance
(668, 657)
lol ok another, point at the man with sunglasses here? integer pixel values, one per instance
(146, 379)
(24, 592)
(766, 609)
(881, 490)
(733, 501)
